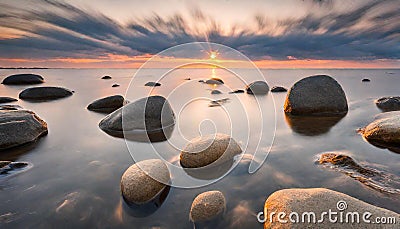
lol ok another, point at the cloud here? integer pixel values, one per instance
(61, 30)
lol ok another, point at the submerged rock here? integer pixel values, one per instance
(23, 79)
(106, 77)
(143, 181)
(344, 161)
(44, 93)
(317, 201)
(257, 88)
(373, 178)
(388, 103)
(236, 91)
(316, 95)
(207, 206)
(278, 89)
(214, 81)
(107, 104)
(151, 116)
(8, 167)
(7, 100)
(20, 127)
(384, 131)
(115, 85)
(209, 149)
(152, 84)
(216, 92)
(218, 102)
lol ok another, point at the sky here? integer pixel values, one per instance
(273, 34)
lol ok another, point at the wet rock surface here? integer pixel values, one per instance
(388, 103)
(20, 127)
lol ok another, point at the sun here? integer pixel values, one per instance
(213, 55)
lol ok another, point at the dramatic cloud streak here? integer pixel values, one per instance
(58, 30)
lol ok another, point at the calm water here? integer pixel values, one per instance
(74, 181)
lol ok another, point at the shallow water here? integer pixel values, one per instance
(74, 180)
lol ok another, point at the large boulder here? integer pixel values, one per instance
(20, 127)
(151, 115)
(44, 93)
(23, 79)
(316, 95)
(385, 130)
(388, 103)
(143, 181)
(304, 208)
(205, 150)
(257, 88)
(107, 104)
(7, 100)
(207, 206)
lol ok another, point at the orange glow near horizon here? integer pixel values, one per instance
(124, 61)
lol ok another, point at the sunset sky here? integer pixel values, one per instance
(273, 34)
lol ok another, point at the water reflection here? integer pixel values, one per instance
(210, 172)
(147, 209)
(158, 135)
(311, 125)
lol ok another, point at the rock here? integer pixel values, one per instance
(207, 206)
(384, 131)
(366, 80)
(381, 181)
(106, 77)
(216, 92)
(278, 89)
(149, 115)
(8, 107)
(341, 160)
(8, 167)
(206, 150)
(44, 93)
(107, 104)
(304, 202)
(202, 81)
(257, 88)
(23, 79)
(218, 102)
(214, 81)
(388, 103)
(316, 95)
(236, 91)
(143, 181)
(115, 85)
(20, 127)
(152, 84)
(7, 100)
(187, 79)
(4, 164)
